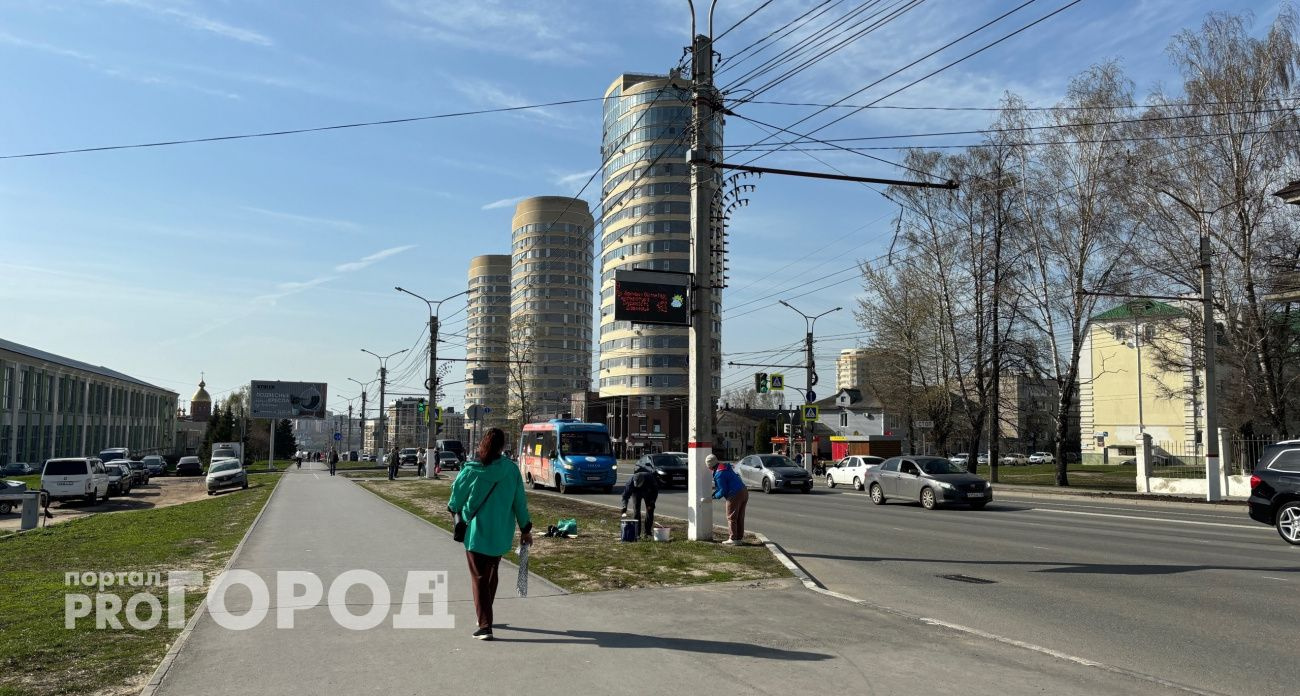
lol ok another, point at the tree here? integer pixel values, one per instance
(520, 354)
(285, 442)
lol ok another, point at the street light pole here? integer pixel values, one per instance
(431, 382)
(383, 379)
(363, 386)
(810, 365)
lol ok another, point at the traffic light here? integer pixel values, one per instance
(419, 406)
(760, 382)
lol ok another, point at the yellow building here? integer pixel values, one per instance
(1126, 388)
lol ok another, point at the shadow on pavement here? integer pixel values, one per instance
(612, 639)
(1060, 566)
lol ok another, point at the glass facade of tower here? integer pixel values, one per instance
(551, 290)
(645, 222)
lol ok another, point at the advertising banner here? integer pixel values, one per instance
(273, 399)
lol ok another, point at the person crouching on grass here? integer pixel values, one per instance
(489, 495)
(643, 487)
(728, 486)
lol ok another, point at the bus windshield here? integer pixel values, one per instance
(584, 442)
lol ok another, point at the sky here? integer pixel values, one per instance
(276, 257)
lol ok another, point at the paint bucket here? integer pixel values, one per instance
(631, 530)
(662, 533)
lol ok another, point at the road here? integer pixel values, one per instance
(1202, 597)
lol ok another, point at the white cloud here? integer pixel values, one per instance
(371, 259)
(573, 180)
(538, 30)
(503, 203)
(194, 20)
(304, 219)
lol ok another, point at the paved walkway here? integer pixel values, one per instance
(762, 637)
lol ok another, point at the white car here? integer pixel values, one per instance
(226, 473)
(960, 459)
(75, 477)
(1041, 458)
(851, 470)
(1013, 459)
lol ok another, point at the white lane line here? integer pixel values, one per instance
(313, 474)
(1270, 577)
(1043, 548)
(1150, 519)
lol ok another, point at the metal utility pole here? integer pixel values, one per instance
(431, 382)
(383, 381)
(810, 369)
(363, 386)
(1211, 436)
(349, 426)
(699, 445)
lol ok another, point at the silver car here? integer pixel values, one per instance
(932, 481)
(226, 473)
(773, 472)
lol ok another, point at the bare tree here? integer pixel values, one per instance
(520, 354)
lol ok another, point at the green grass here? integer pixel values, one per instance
(39, 657)
(596, 560)
(1100, 477)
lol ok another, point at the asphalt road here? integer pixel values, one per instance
(1201, 597)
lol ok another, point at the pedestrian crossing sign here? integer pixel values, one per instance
(810, 413)
(776, 381)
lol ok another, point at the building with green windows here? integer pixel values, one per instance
(52, 406)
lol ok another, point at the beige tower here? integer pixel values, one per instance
(645, 224)
(487, 331)
(550, 305)
(851, 368)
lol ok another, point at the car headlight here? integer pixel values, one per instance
(567, 466)
(660, 472)
(946, 486)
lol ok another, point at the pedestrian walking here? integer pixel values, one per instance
(642, 487)
(421, 460)
(297, 458)
(333, 459)
(488, 495)
(728, 486)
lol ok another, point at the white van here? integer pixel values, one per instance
(75, 477)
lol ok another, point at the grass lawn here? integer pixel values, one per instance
(1100, 477)
(596, 560)
(38, 656)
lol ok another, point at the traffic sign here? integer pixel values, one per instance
(338, 436)
(810, 396)
(924, 425)
(810, 412)
(437, 411)
(487, 409)
(776, 381)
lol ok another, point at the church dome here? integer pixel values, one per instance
(201, 396)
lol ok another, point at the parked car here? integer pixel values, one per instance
(1042, 458)
(960, 459)
(1275, 490)
(983, 459)
(189, 466)
(772, 472)
(75, 477)
(669, 468)
(140, 472)
(10, 487)
(119, 477)
(409, 455)
(1013, 459)
(448, 461)
(114, 453)
(18, 469)
(155, 465)
(226, 473)
(851, 470)
(367, 457)
(931, 481)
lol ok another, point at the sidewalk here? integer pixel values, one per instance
(762, 637)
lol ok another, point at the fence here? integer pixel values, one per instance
(1177, 460)
(1241, 453)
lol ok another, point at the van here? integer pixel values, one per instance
(112, 453)
(568, 454)
(75, 477)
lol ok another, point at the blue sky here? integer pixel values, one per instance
(275, 258)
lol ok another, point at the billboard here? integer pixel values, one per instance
(651, 297)
(269, 399)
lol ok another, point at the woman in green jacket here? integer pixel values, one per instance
(489, 495)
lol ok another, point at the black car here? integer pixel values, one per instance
(189, 466)
(18, 469)
(668, 468)
(1275, 491)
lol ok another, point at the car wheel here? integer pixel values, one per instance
(767, 485)
(92, 497)
(1288, 522)
(6, 508)
(927, 499)
(857, 483)
(877, 494)
(979, 504)
(533, 482)
(560, 485)
(245, 486)
(830, 482)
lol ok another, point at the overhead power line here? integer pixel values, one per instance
(296, 131)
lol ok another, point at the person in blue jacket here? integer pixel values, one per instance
(728, 486)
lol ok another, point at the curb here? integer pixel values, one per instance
(177, 645)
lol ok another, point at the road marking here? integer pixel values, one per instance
(315, 476)
(1149, 519)
(1043, 548)
(1270, 577)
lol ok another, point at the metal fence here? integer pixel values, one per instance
(1179, 460)
(1241, 453)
